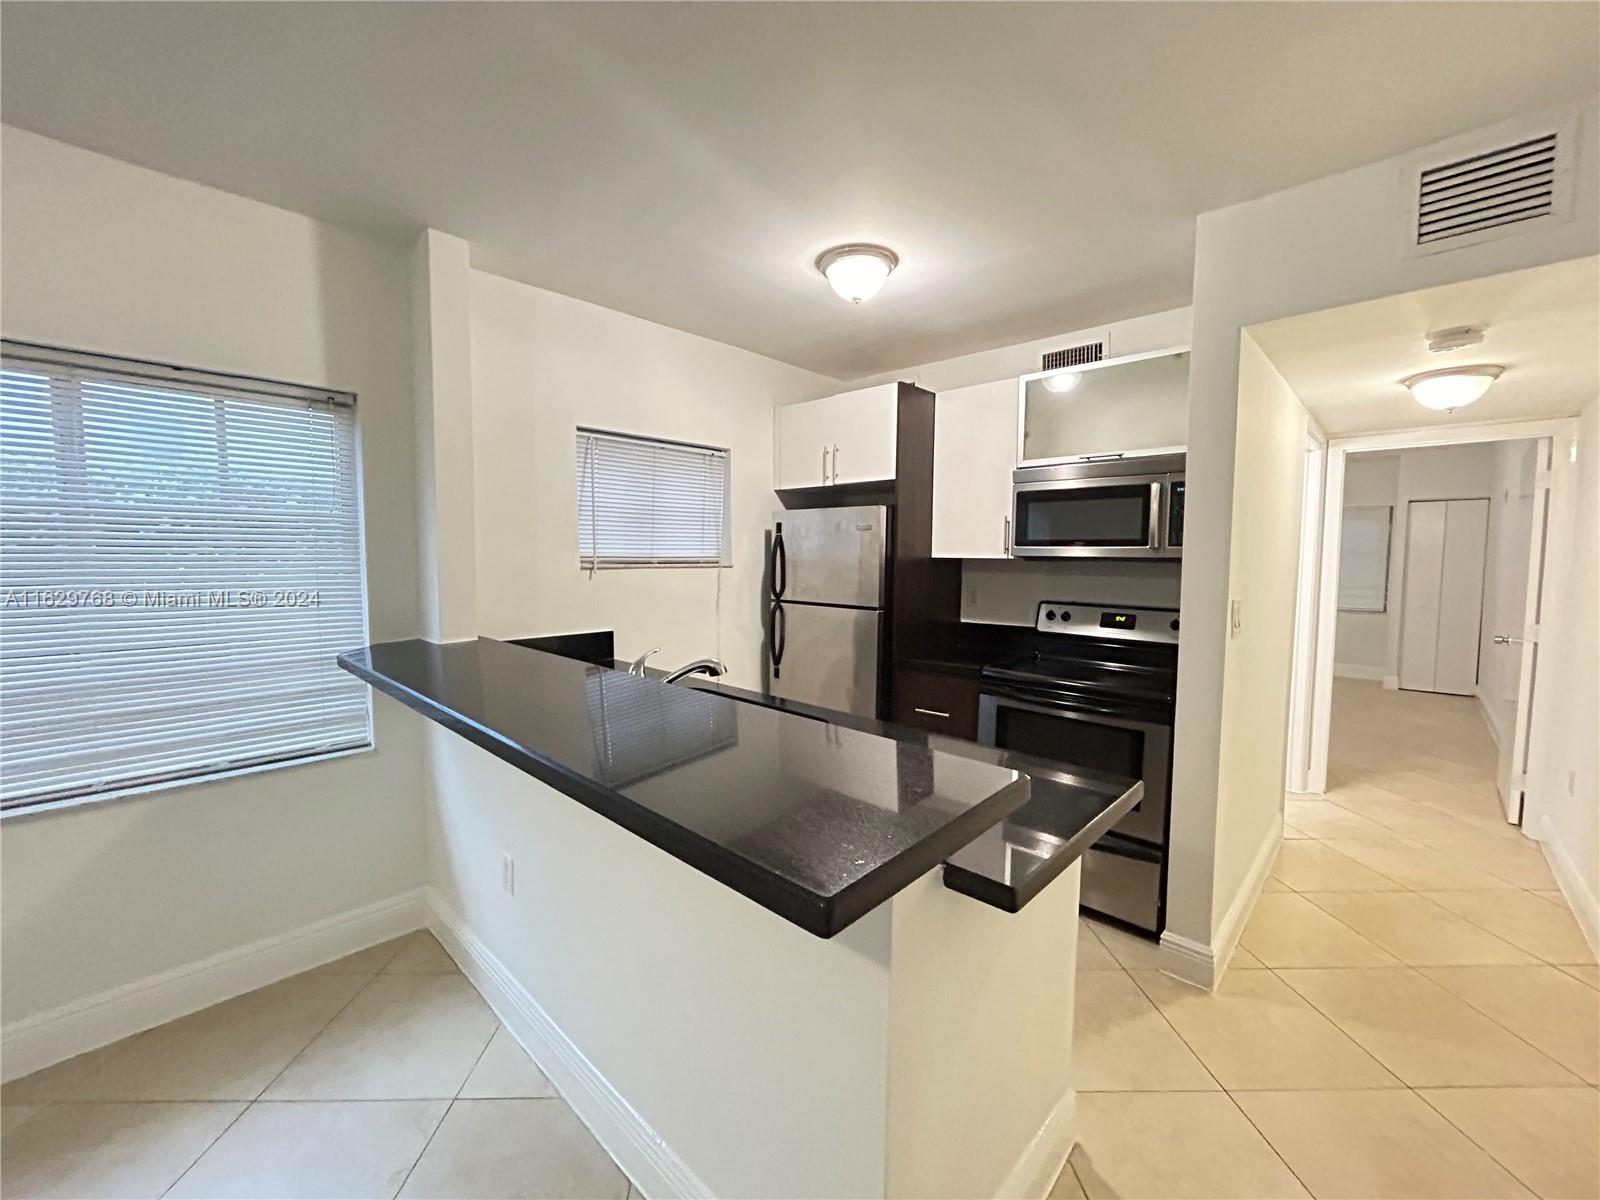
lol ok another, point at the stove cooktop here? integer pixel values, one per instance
(1117, 655)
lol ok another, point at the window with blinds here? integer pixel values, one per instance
(180, 561)
(644, 502)
(1364, 559)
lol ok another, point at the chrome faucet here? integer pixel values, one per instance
(700, 666)
(637, 666)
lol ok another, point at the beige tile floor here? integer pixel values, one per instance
(1412, 1010)
(379, 1075)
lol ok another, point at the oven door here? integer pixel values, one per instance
(1088, 518)
(1087, 735)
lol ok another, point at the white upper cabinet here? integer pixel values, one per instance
(848, 438)
(974, 451)
(1133, 405)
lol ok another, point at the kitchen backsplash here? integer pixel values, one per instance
(1008, 592)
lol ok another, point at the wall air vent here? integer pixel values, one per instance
(1074, 356)
(1513, 185)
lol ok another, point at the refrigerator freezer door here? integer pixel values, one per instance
(829, 656)
(831, 555)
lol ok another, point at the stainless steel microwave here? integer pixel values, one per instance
(1112, 507)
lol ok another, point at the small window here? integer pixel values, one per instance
(1364, 559)
(180, 561)
(644, 502)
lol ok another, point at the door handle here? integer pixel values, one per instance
(836, 462)
(780, 564)
(932, 712)
(1006, 543)
(779, 636)
(1501, 639)
(824, 464)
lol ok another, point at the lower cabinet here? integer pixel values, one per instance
(936, 702)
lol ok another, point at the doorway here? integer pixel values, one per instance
(1432, 560)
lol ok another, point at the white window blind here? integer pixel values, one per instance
(1364, 559)
(643, 502)
(180, 561)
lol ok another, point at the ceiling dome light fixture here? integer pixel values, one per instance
(1450, 388)
(1063, 382)
(857, 271)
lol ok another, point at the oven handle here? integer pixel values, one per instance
(1069, 711)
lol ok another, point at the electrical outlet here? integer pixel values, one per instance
(508, 874)
(1235, 621)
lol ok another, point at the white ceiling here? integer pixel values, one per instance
(1543, 326)
(1037, 166)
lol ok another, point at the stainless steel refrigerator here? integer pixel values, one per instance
(828, 584)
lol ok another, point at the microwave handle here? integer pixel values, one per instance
(1154, 532)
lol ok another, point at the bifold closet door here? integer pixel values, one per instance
(1442, 614)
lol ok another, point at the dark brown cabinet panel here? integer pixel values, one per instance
(936, 702)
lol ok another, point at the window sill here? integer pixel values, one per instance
(148, 790)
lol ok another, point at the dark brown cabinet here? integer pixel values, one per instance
(935, 701)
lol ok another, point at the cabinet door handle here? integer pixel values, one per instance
(932, 712)
(836, 462)
(1006, 544)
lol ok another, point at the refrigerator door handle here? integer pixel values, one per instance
(778, 633)
(780, 563)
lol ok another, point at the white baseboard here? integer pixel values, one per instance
(1202, 964)
(1495, 735)
(59, 1033)
(1391, 683)
(1045, 1157)
(1357, 671)
(638, 1149)
(1584, 904)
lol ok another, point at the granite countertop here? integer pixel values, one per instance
(1012, 861)
(817, 820)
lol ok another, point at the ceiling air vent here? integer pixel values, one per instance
(1512, 186)
(1074, 356)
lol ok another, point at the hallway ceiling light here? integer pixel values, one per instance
(857, 272)
(1450, 388)
(1062, 383)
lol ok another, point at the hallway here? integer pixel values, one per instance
(1412, 1010)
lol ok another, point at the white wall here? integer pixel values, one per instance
(1361, 639)
(1331, 242)
(104, 256)
(1564, 755)
(1505, 583)
(620, 944)
(542, 364)
(1265, 556)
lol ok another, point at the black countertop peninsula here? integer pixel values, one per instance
(1013, 860)
(817, 821)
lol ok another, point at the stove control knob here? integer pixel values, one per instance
(1174, 624)
(1050, 614)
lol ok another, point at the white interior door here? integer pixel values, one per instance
(1514, 758)
(1442, 614)
(1419, 614)
(1466, 542)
